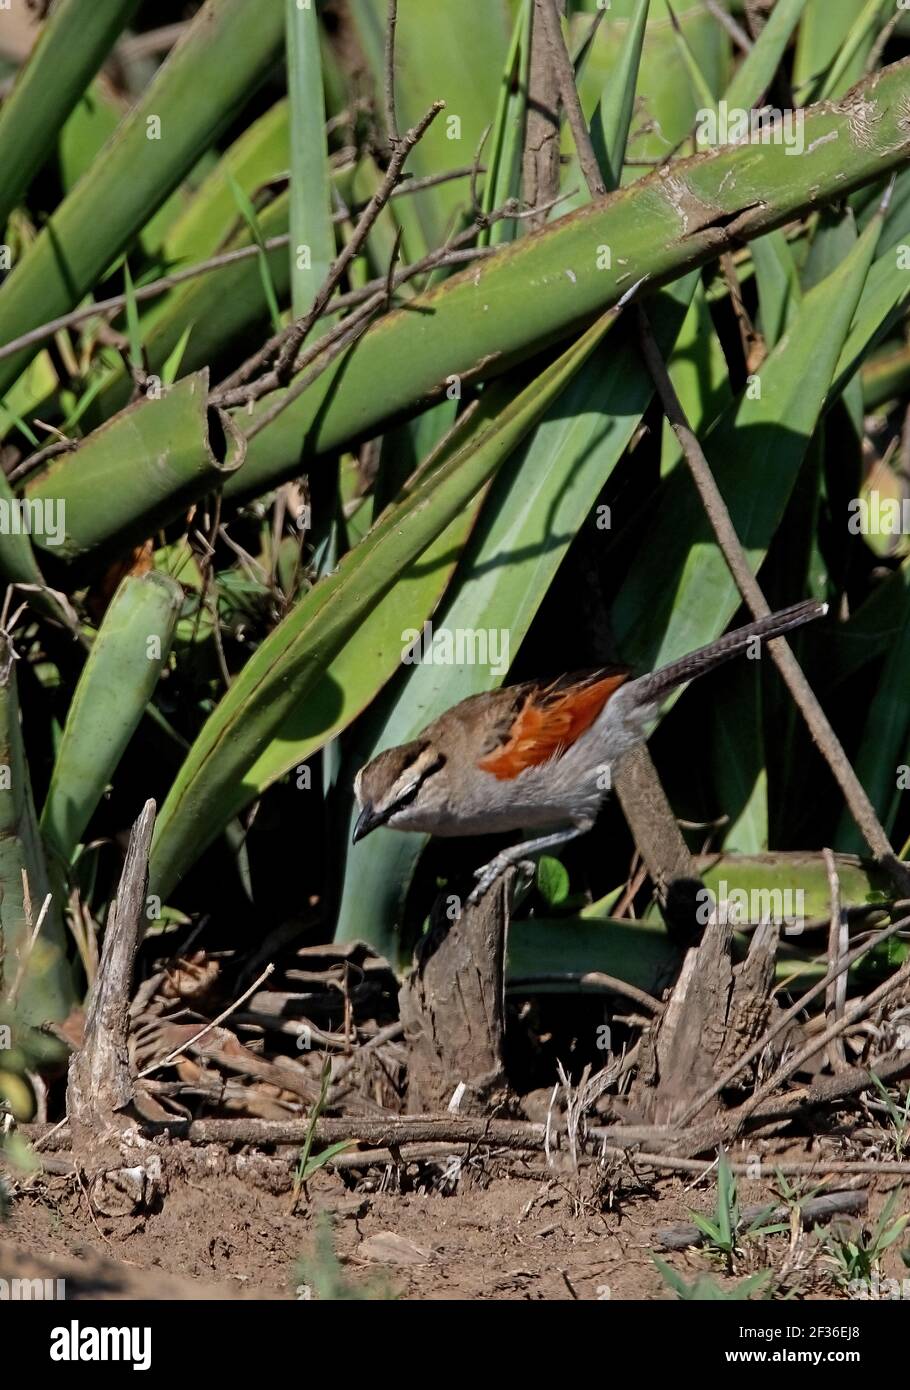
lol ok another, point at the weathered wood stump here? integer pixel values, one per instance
(453, 1007)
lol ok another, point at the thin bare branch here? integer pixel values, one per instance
(571, 103)
(391, 119)
(164, 283)
(246, 389)
(838, 945)
(826, 739)
(724, 18)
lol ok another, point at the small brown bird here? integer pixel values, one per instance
(535, 756)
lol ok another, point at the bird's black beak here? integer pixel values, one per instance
(366, 821)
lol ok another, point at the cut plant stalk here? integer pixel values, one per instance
(173, 445)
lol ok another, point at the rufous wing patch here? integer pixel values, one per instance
(549, 723)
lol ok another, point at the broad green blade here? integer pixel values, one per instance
(666, 106)
(857, 45)
(479, 322)
(74, 43)
(756, 450)
(46, 987)
(260, 155)
(371, 658)
(505, 142)
(822, 34)
(882, 304)
(87, 131)
(882, 760)
(701, 88)
(223, 57)
(612, 117)
(450, 50)
(312, 246)
(699, 372)
(218, 308)
(640, 953)
(118, 680)
(213, 783)
(738, 758)
(756, 72)
(779, 290)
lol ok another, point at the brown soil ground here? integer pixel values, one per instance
(520, 1234)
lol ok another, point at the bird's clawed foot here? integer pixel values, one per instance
(488, 875)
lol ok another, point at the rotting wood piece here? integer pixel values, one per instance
(453, 1007)
(100, 1082)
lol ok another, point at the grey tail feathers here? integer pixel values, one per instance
(660, 684)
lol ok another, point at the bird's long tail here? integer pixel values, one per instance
(655, 687)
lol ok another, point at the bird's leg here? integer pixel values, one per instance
(488, 875)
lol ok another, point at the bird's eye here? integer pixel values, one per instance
(407, 794)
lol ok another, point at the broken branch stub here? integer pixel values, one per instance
(100, 1083)
(452, 1007)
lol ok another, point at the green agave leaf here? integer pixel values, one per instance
(664, 611)
(850, 61)
(217, 308)
(258, 156)
(353, 679)
(479, 323)
(833, 239)
(822, 33)
(665, 102)
(612, 117)
(702, 91)
(506, 141)
(885, 377)
(883, 756)
(117, 682)
(871, 631)
(90, 126)
(213, 783)
(698, 370)
(46, 986)
(738, 759)
(779, 291)
(312, 247)
(756, 72)
(883, 300)
(224, 55)
(639, 953)
(453, 50)
(74, 42)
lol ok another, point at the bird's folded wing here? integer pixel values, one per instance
(549, 720)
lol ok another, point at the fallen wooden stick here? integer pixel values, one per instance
(812, 1212)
